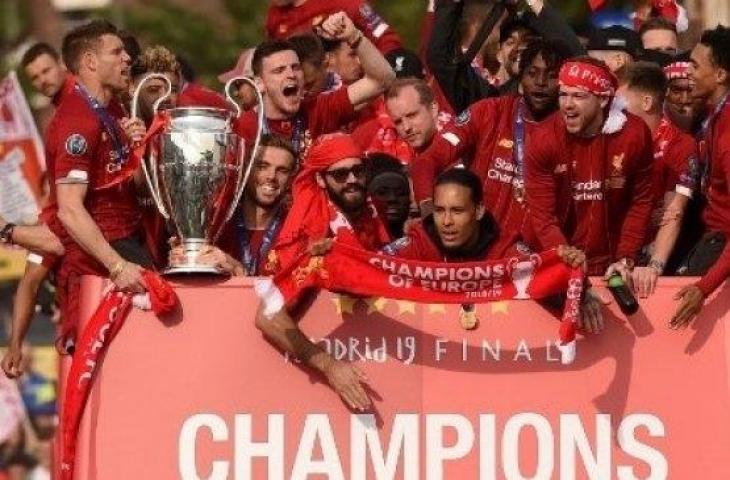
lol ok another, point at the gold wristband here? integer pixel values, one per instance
(117, 269)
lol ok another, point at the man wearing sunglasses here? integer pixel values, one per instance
(329, 200)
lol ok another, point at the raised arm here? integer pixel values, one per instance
(378, 73)
(461, 84)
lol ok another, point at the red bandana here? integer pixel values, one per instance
(591, 78)
(312, 216)
(677, 70)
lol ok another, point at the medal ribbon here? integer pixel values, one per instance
(110, 125)
(705, 133)
(250, 261)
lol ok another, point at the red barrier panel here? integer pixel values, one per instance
(202, 395)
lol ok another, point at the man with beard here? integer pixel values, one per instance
(278, 71)
(245, 243)
(710, 75)
(674, 168)
(588, 174)
(682, 108)
(288, 17)
(492, 138)
(46, 73)
(329, 201)
(88, 155)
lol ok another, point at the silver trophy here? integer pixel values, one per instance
(202, 171)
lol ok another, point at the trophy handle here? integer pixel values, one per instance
(243, 175)
(154, 183)
(158, 102)
(152, 180)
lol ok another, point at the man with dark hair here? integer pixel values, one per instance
(588, 176)
(42, 65)
(682, 107)
(492, 137)
(660, 34)
(311, 55)
(329, 200)
(248, 237)
(301, 119)
(461, 83)
(88, 156)
(675, 161)
(341, 60)
(460, 229)
(155, 59)
(390, 189)
(710, 74)
(289, 17)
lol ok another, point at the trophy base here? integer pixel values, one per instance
(193, 270)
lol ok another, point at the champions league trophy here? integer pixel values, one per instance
(522, 272)
(200, 176)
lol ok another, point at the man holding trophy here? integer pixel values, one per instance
(246, 241)
(88, 154)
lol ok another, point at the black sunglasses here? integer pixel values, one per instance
(340, 175)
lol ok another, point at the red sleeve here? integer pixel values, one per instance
(681, 161)
(377, 30)
(721, 269)
(365, 132)
(271, 21)
(633, 230)
(76, 140)
(540, 160)
(426, 29)
(719, 272)
(245, 126)
(330, 112)
(457, 138)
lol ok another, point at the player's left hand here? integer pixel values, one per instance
(692, 299)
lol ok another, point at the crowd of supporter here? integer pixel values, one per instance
(611, 147)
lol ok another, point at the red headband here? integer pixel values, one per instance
(591, 78)
(677, 70)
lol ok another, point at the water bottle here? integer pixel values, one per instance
(622, 294)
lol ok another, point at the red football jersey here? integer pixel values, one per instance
(324, 113)
(594, 193)
(283, 22)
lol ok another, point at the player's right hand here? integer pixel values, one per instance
(130, 279)
(346, 380)
(12, 362)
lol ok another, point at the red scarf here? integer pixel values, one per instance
(92, 344)
(159, 122)
(359, 272)
(312, 215)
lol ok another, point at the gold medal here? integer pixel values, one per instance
(468, 317)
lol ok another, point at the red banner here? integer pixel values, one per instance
(201, 395)
(22, 160)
